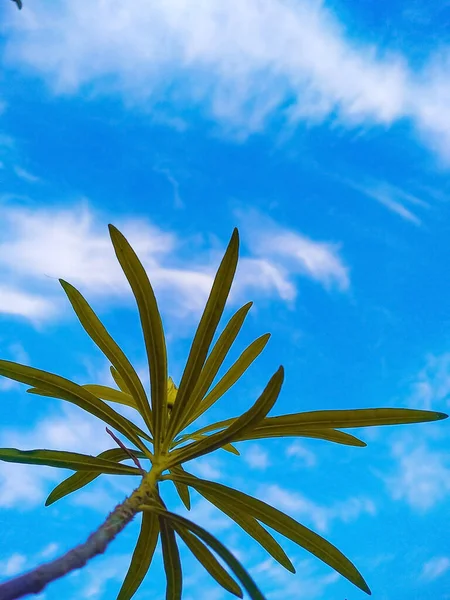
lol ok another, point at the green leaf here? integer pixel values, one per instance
(142, 556)
(251, 526)
(62, 388)
(182, 489)
(66, 460)
(152, 329)
(79, 480)
(233, 374)
(171, 558)
(38, 392)
(282, 523)
(110, 394)
(209, 562)
(214, 362)
(361, 417)
(231, 449)
(98, 333)
(119, 380)
(266, 431)
(204, 334)
(245, 422)
(214, 544)
(172, 392)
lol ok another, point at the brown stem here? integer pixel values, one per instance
(34, 581)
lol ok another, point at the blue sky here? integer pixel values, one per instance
(322, 131)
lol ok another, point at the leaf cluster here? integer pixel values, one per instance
(168, 442)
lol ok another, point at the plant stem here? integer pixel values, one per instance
(35, 581)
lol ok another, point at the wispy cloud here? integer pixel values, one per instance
(13, 565)
(321, 516)
(38, 246)
(422, 475)
(435, 567)
(431, 388)
(293, 253)
(301, 454)
(312, 69)
(256, 457)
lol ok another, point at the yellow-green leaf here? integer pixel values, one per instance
(98, 333)
(245, 422)
(119, 380)
(234, 565)
(62, 388)
(214, 362)
(360, 417)
(83, 478)
(266, 431)
(182, 489)
(66, 460)
(204, 334)
(172, 392)
(171, 558)
(110, 394)
(251, 526)
(209, 562)
(38, 392)
(152, 329)
(233, 374)
(282, 523)
(142, 556)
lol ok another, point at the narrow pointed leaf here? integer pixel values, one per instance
(120, 382)
(234, 565)
(233, 374)
(81, 479)
(214, 362)
(231, 449)
(205, 333)
(142, 556)
(251, 526)
(182, 489)
(361, 417)
(282, 523)
(273, 431)
(110, 394)
(152, 329)
(209, 562)
(62, 388)
(171, 559)
(98, 333)
(246, 421)
(66, 460)
(137, 430)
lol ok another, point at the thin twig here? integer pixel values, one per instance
(35, 581)
(129, 452)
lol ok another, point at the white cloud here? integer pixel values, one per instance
(217, 54)
(25, 486)
(38, 246)
(305, 456)
(307, 583)
(207, 467)
(206, 515)
(435, 567)
(17, 302)
(422, 475)
(431, 389)
(292, 253)
(256, 457)
(394, 199)
(13, 565)
(297, 504)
